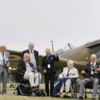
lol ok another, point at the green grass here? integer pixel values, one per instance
(10, 96)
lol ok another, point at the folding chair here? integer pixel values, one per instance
(89, 86)
(74, 89)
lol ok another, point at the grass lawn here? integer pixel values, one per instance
(10, 96)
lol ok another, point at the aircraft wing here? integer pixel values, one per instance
(93, 44)
(76, 62)
(14, 57)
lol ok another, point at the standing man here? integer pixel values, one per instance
(49, 70)
(33, 54)
(34, 60)
(91, 75)
(4, 64)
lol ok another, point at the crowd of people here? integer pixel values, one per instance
(29, 67)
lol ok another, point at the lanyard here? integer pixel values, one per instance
(93, 66)
(68, 72)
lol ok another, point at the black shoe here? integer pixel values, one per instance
(66, 96)
(80, 98)
(57, 95)
(34, 89)
(3, 93)
(93, 99)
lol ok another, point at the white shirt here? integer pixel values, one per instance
(28, 67)
(1, 58)
(32, 59)
(73, 73)
(93, 63)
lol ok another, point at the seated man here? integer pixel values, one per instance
(91, 75)
(71, 73)
(27, 69)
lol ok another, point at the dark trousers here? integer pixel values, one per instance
(49, 78)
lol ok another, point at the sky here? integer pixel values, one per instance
(40, 21)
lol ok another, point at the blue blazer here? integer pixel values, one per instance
(50, 60)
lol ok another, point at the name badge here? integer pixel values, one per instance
(49, 66)
(92, 72)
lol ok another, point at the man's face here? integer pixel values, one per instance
(93, 58)
(2, 49)
(31, 46)
(70, 66)
(48, 51)
(26, 58)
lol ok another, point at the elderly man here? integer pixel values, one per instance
(27, 69)
(33, 55)
(49, 70)
(71, 73)
(91, 75)
(34, 60)
(4, 64)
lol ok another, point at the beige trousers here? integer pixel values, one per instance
(32, 77)
(67, 86)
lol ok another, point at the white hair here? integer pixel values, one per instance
(31, 43)
(26, 54)
(93, 55)
(3, 46)
(70, 62)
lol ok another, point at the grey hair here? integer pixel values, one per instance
(26, 54)
(93, 55)
(4, 46)
(70, 62)
(31, 43)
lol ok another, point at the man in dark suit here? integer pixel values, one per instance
(33, 54)
(91, 75)
(26, 70)
(49, 70)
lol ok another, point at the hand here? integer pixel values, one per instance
(7, 65)
(83, 72)
(45, 71)
(97, 69)
(56, 55)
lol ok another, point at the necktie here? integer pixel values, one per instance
(92, 65)
(31, 51)
(3, 59)
(48, 57)
(68, 72)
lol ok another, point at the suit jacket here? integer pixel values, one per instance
(35, 54)
(7, 58)
(49, 61)
(87, 69)
(22, 66)
(21, 70)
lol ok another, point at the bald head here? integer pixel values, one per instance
(48, 51)
(93, 58)
(31, 45)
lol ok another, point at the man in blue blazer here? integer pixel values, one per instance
(49, 70)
